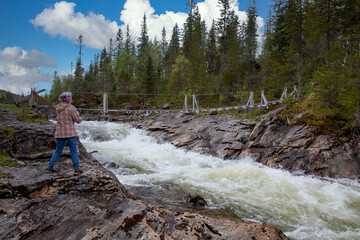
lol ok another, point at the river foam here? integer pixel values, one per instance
(304, 207)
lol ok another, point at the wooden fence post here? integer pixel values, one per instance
(284, 94)
(195, 104)
(185, 103)
(250, 102)
(264, 102)
(105, 103)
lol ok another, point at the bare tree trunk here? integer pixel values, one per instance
(358, 106)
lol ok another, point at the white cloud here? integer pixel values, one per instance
(20, 70)
(210, 10)
(134, 11)
(62, 20)
(260, 38)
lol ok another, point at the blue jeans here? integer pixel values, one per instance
(60, 143)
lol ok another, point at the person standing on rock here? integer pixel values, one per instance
(66, 116)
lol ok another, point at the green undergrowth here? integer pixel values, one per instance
(250, 113)
(23, 114)
(328, 120)
(9, 131)
(9, 107)
(5, 175)
(31, 117)
(310, 111)
(6, 161)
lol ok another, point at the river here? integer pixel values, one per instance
(303, 207)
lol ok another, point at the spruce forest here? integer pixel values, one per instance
(311, 44)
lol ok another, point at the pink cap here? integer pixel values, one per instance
(67, 99)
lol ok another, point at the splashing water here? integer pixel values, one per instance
(304, 207)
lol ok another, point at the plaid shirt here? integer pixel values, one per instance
(66, 116)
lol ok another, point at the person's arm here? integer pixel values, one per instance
(75, 115)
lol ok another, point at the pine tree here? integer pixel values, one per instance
(188, 30)
(286, 44)
(128, 41)
(111, 49)
(150, 76)
(144, 38)
(164, 43)
(179, 75)
(104, 63)
(89, 79)
(172, 52)
(156, 53)
(212, 56)
(129, 48)
(79, 70)
(250, 39)
(120, 42)
(143, 56)
(56, 88)
(268, 34)
(164, 48)
(197, 58)
(125, 63)
(229, 48)
(224, 19)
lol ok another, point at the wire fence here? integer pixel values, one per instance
(144, 102)
(160, 103)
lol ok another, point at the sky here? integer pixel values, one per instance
(38, 37)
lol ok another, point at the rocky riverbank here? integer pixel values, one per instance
(297, 148)
(94, 205)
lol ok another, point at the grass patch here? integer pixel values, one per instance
(6, 175)
(25, 115)
(4, 156)
(255, 114)
(250, 113)
(31, 117)
(9, 107)
(6, 161)
(9, 131)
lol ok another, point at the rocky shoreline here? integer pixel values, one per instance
(297, 148)
(94, 205)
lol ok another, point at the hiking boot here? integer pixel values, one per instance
(77, 171)
(50, 169)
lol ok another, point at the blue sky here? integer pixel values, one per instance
(38, 37)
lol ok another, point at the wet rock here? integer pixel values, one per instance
(6, 193)
(249, 122)
(269, 141)
(183, 140)
(112, 118)
(201, 146)
(27, 138)
(195, 200)
(213, 112)
(259, 127)
(298, 136)
(158, 127)
(166, 106)
(113, 165)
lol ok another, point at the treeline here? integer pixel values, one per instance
(8, 97)
(314, 45)
(194, 60)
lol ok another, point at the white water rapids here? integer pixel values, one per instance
(303, 207)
